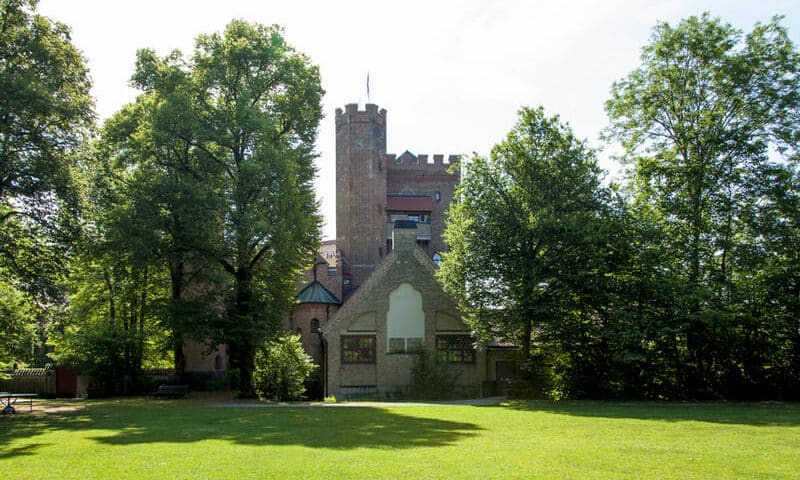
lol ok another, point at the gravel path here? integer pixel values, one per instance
(478, 402)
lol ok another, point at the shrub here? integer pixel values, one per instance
(432, 378)
(281, 369)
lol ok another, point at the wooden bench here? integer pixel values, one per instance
(171, 391)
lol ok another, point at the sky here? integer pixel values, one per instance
(451, 74)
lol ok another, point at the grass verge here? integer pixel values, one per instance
(137, 438)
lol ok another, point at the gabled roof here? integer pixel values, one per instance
(379, 277)
(315, 292)
(407, 157)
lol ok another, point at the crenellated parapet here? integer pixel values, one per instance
(407, 163)
(351, 114)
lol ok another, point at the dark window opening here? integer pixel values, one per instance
(455, 348)
(358, 349)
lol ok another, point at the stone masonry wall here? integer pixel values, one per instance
(389, 376)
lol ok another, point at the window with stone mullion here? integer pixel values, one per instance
(455, 348)
(358, 349)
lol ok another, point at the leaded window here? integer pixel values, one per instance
(455, 348)
(358, 349)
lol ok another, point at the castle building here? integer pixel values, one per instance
(374, 189)
(371, 301)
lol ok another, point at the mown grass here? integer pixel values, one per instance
(135, 438)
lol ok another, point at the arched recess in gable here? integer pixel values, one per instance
(405, 320)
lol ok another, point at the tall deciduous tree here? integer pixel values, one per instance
(697, 121)
(701, 122)
(45, 112)
(249, 106)
(529, 236)
(165, 209)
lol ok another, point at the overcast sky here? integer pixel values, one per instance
(451, 74)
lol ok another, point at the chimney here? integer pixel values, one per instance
(404, 236)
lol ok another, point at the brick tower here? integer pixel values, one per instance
(360, 189)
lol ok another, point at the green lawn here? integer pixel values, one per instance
(135, 438)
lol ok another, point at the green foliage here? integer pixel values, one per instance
(46, 112)
(232, 130)
(697, 121)
(17, 325)
(112, 328)
(533, 237)
(702, 123)
(281, 369)
(432, 378)
(154, 201)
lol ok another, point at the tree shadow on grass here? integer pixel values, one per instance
(311, 427)
(330, 428)
(15, 430)
(27, 449)
(752, 414)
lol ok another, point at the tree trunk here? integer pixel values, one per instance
(112, 309)
(179, 359)
(525, 347)
(245, 347)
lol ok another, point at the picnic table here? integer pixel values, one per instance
(8, 400)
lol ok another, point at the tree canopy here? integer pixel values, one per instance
(697, 121)
(710, 124)
(46, 111)
(689, 287)
(529, 234)
(230, 132)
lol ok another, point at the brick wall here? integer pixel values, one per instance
(361, 187)
(425, 177)
(389, 375)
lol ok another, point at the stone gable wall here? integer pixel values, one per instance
(389, 377)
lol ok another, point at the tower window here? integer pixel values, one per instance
(437, 196)
(437, 259)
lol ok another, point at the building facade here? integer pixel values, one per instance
(371, 301)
